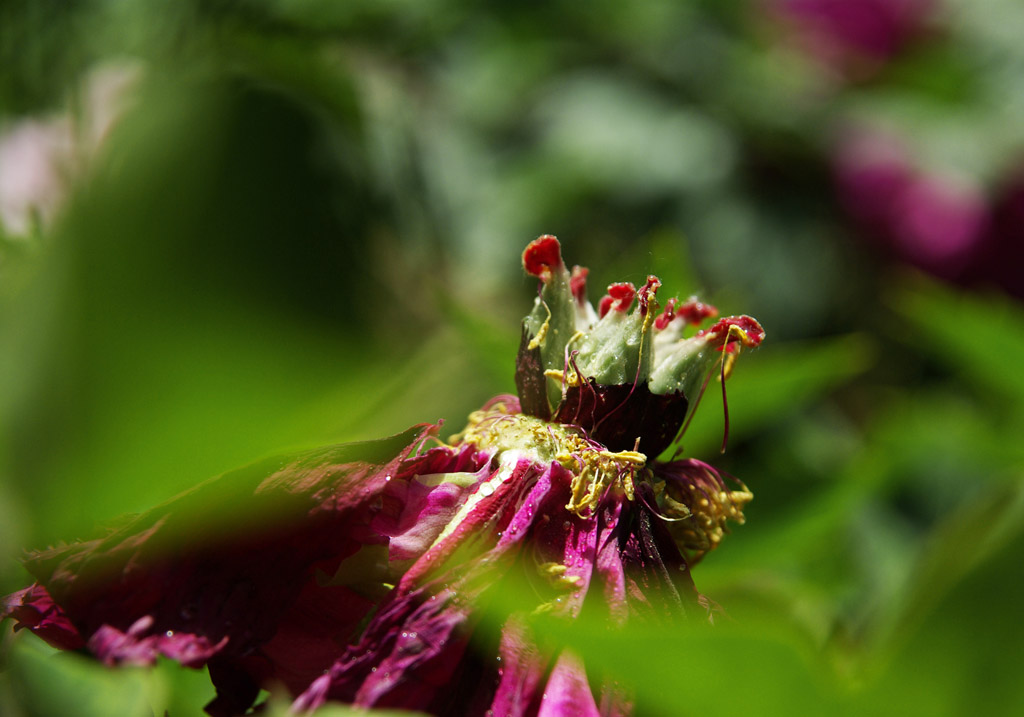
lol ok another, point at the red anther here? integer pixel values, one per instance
(542, 256)
(578, 283)
(694, 311)
(619, 297)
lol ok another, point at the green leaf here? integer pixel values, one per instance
(45, 683)
(981, 336)
(281, 708)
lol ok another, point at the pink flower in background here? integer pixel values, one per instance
(937, 222)
(855, 37)
(35, 159)
(940, 221)
(39, 159)
(363, 573)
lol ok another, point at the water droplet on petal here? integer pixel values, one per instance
(169, 633)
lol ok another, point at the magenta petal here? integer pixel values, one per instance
(413, 646)
(136, 647)
(571, 542)
(314, 631)
(424, 655)
(428, 500)
(407, 653)
(494, 522)
(521, 672)
(609, 562)
(33, 608)
(567, 693)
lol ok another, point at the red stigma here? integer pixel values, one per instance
(646, 294)
(578, 283)
(751, 334)
(665, 317)
(694, 312)
(542, 256)
(619, 297)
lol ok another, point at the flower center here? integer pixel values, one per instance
(594, 468)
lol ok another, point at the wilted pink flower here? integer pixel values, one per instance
(360, 573)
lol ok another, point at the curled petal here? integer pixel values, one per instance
(140, 646)
(34, 609)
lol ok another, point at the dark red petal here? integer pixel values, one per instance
(139, 645)
(33, 608)
(658, 581)
(315, 630)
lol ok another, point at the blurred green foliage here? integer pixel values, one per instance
(302, 225)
